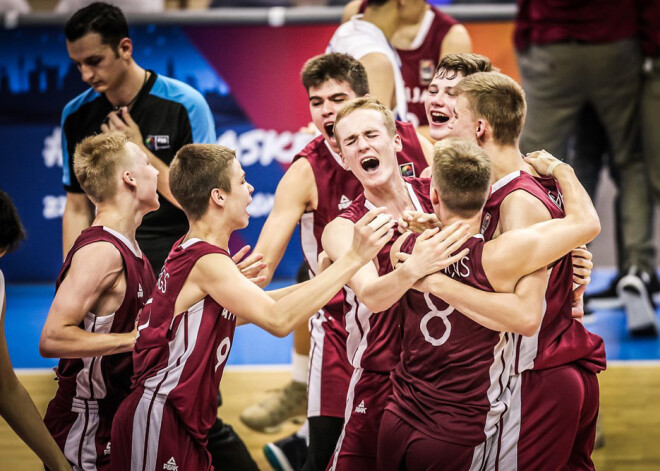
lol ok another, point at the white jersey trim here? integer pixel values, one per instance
(134, 248)
(424, 29)
(503, 181)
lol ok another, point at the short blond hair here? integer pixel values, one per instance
(500, 100)
(96, 161)
(367, 103)
(461, 174)
(197, 169)
(464, 63)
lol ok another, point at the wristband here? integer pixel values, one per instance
(553, 166)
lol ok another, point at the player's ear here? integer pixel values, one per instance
(481, 128)
(435, 196)
(397, 143)
(125, 48)
(218, 197)
(127, 177)
(343, 162)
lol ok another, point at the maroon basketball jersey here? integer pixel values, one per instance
(107, 377)
(561, 339)
(374, 339)
(451, 381)
(179, 360)
(419, 62)
(338, 187)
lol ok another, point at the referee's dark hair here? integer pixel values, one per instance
(11, 229)
(106, 20)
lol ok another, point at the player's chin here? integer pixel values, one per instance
(439, 131)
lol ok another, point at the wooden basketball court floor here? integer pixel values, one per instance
(630, 388)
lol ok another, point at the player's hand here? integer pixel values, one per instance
(543, 162)
(582, 266)
(577, 309)
(371, 233)
(434, 248)
(417, 221)
(323, 262)
(122, 121)
(250, 266)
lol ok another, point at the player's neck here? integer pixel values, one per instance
(505, 159)
(385, 17)
(126, 93)
(405, 34)
(119, 218)
(393, 195)
(474, 222)
(213, 231)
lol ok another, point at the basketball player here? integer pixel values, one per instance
(104, 281)
(421, 44)
(450, 386)
(562, 355)
(314, 190)
(366, 37)
(366, 133)
(186, 329)
(16, 406)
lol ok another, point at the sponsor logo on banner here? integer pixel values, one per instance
(265, 146)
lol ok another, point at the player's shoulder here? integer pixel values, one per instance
(443, 18)
(76, 103)
(314, 149)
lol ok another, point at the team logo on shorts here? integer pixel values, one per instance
(407, 169)
(426, 69)
(361, 409)
(157, 142)
(171, 465)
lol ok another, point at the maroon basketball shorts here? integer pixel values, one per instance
(551, 421)
(366, 399)
(148, 435)
(329, 369)
(401, 446)
(80, 430)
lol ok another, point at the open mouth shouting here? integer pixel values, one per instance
(329, 129)
(438, 117)
(370, 164)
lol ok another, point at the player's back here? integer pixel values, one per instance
(107, 377)
(560, 339)
(374, 339)
(451, 381)
(179, 357)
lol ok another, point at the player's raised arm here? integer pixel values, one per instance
(220, 278)
(95, 283)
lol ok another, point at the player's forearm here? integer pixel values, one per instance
(19, 411)
(299, 305)
(580, 211)
(381, 293)
(278, 294)
(74, 342)
(502, 312)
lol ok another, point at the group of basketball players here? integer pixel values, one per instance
(441, 309)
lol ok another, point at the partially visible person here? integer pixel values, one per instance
(490, 109)
(595, 60)
(366, 37)
(450, 385)
(367, 136)
(157, 113)
(103, 284)
(186, 330)
(16, 405)
(421, 44)
(316, 189)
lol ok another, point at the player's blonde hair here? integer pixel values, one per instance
(461, 174)
(499, 100)
(367, 103)
(197, 169)
(96, 161)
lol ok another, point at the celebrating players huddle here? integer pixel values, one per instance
(442, 308)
